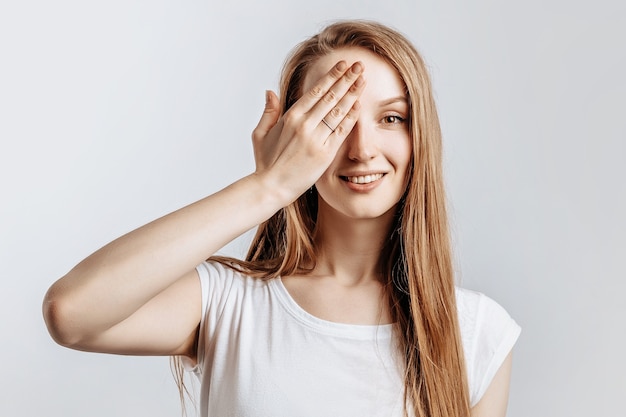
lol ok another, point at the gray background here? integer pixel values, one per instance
(115, 113)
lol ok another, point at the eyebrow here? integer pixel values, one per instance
(394, 100)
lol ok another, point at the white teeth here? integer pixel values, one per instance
(365, 179)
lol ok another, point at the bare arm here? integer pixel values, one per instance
(140, 294)
(109, 300)
(495, 400)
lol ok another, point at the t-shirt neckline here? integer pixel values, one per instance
(351, 331)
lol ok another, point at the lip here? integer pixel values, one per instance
(362, 187)
(362, 173)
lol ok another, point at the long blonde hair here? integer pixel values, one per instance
(417, 259)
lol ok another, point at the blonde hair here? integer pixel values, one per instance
(417, 259)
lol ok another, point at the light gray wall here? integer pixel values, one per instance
(114, 113)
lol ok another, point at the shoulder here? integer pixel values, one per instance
(225, 274)
(228, 296)
(477, 309)
(488, 334)
(219, 280)
(216, 270)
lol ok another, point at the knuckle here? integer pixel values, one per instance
(330, 96)
(309, 125)
(348, 78)
(340, 130)
(259, 133)
(301, 129)
(336, 112)
(289, 118)
(336, 72)
(316, 91)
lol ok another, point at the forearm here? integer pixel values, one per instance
(290, 155)
(112, 283)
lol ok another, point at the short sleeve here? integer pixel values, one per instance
(488, 334)
(215, 283)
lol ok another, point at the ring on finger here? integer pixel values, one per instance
(328, 126)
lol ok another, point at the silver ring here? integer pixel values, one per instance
(328, 126)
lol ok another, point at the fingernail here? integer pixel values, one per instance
(357, 67)
(341, 65)
(267, 97)
(359, 81)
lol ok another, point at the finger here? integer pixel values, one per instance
(335, 116)
(270, 116)
(340, 97)
(343, 129)
(321, 88)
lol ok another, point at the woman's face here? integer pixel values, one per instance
(370, 172)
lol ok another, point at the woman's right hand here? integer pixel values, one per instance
(140, 293)
(294, 150)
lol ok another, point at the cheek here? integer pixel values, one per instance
(403, 154)
(326, 178)
(405, 162)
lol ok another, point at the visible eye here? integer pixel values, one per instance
(393, 119)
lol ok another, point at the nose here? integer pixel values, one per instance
(361, 143)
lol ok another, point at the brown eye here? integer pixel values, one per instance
(393, 119)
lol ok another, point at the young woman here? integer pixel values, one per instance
(346, 303)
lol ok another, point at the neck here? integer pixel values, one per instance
(349, 249)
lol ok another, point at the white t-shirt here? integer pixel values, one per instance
(262, 355)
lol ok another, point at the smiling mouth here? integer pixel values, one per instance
(363, 179)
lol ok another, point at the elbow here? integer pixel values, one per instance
(60, 318)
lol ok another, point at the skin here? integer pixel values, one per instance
(140, 294)
(354, 219)
(496, 398)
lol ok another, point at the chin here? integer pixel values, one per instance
(367, 213)
(359, 207)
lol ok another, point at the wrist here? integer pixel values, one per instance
(273, 192)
